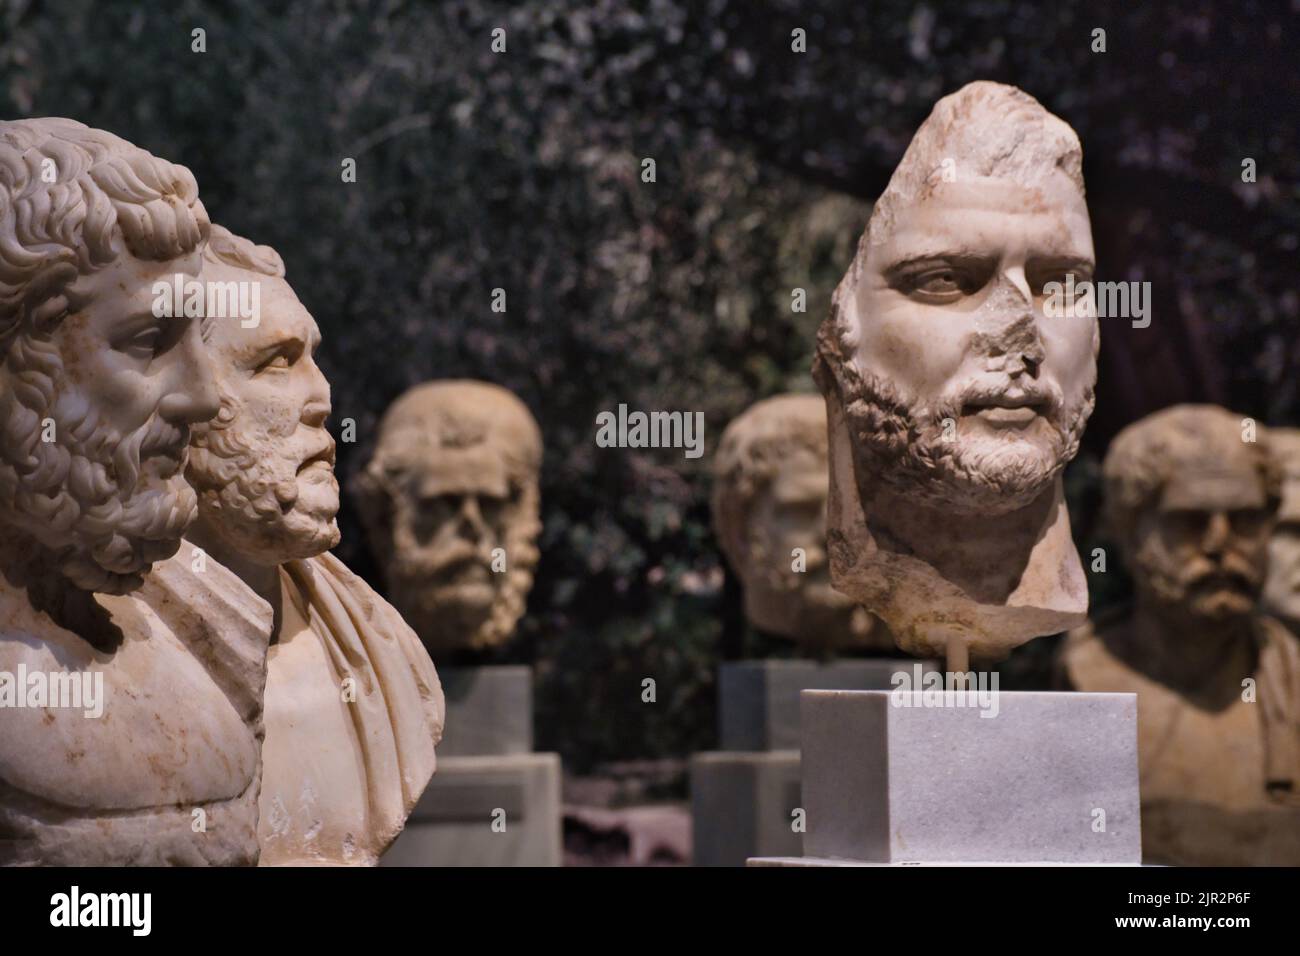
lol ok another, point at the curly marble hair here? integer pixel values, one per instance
(72, 201)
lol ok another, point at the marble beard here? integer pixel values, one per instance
(1191, 505)
(451, 505)
(769, 513)
(953, 403)
(1282, 586)
(97, 397)
(354, 706)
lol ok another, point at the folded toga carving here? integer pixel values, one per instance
(354, 707)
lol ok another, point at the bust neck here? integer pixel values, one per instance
(263, 579)
(986, 556)
(31, 576)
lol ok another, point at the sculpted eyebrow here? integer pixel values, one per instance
(910, 265)
(288, 344)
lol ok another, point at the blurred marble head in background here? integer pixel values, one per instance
(1191, 503)
(769, 513)
(451, 505)
(1282, 586)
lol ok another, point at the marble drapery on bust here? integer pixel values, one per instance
(354, 707)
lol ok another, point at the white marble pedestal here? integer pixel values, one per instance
(1045, 778)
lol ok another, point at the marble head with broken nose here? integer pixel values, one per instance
(952, 387)
(980, 397)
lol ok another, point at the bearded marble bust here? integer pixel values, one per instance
(1282, 586)
(354, 707)
(954, 402)
(98, 394)
(769, 513)
(451, 505)
(1190, 498)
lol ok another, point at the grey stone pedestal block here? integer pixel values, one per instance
(491, 801)
(1052, 778)
(496, 810)
(741, 806)
(489, 710)
(758, 701)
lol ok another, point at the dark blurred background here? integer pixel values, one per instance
(521, 170)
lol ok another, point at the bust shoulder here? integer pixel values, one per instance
(143, 725)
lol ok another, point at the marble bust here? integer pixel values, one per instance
(353, 707)
(953, 401)
(1282, 585)
(98, 394)
(451, 504)
(1190, 505)
(769, 513)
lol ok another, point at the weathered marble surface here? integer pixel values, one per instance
(97, 397)
(354, 707)
(953, 402)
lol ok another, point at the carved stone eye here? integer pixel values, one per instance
(945, 281)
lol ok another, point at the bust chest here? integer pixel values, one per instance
(167, 734)
(313, 802)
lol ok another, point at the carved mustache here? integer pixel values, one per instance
(1233, 571)
(156, 438)
(452, 559)
(164, 439)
